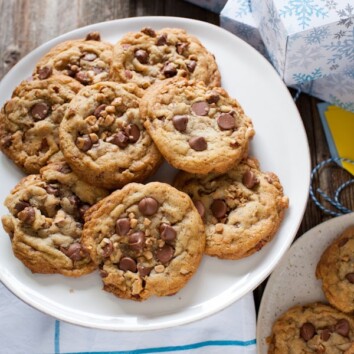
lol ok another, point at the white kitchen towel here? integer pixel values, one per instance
(26, 330)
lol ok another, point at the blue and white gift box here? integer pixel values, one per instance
(212, 5)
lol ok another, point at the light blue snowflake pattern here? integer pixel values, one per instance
(243, 9)
(342, 49)
(348, 106)
(331, 4)
(303, 10)
(273, 18)
(346, 16)
(304, 57)
(317, 35)
(303, 78)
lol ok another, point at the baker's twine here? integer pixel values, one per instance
(335, 201)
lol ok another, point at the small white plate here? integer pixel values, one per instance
(293, 281)
(280, 144)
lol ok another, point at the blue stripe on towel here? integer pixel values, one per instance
(209, 343)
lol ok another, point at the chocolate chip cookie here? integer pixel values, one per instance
(46, 220)
(146, 239)
(148, 56)
(336, 271)
(196, 129)
(242, 209)
(103, 138)
(29, 121)
(86, 60)
(313, 328)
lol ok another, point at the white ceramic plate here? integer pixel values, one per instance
(280, 144)
(293, 281)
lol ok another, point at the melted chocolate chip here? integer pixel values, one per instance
(142, 56)
(307, 331)
(161, 39)
(226, 121)
(249, 179)
(133, 132)
(52, 190)
(122, 226)
(191, 64)
(84, 143)
(120, 139)
(148, 206)
(99, 109)
(143, 270)
(350, 277)
(44, 72)
(136, 241)
(200, 108)
(213, 97)
(170, 70)
(180, 123)
(180, 47)
(107, 249)
(39, 111)
(89, 56)
(27, 215)
(325, 334)
(165, 253)
(342, 327)
(148, 31)
(198, 143)
(93, 36)
(83, 77)
(200, 207)
(127, 263)
(21, 205)
(218, 208)
(74, 251)
(168, 233)
(65, 169)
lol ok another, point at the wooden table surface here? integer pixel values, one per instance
(25, 24)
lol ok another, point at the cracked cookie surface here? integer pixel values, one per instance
(196, 129)
(46, 220)
(336, 271)
(103, 139)
(313, 328)
(148, 56)
(241, 210)
(29, 121)
(86, 60)
(146, 239)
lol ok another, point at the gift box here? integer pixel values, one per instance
(212, 5)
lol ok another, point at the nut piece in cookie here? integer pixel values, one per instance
(146, 239)
(46, 220)
(29, 121)
(313, 328)
(241, 209)
(148, 56)
(196, 129)
(86, 60)
(336, 271)
(103, 139)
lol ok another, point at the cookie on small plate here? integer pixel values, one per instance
(86, 60)
(146, 239)
(336, 271)
(103, 138)
(29, 121)
(46, 220)
(196, 129)
(313, 328)
(242, 209)
(148, 56)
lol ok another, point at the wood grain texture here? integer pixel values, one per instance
(26, 24)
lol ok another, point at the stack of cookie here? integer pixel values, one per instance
(92, 124)
(319, 327)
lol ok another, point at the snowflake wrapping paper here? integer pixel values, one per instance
(212, 5)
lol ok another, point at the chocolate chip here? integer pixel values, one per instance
(6, 141)
(74, 251)
(226, 121)
(343, 241)
(170, 70)
(107, 249)
(136, 240)
(198, 143)
(122, 226)
(142, 55)
(180, 122)
(144, 271)
(350, 277)
(120, 139)
(44, 72)
(21, 205)
(325, 334)
(83, 209)
(218, 208)
(307, 331)
(127, 263)
(93, 36)
(162, 39)
(148, 31)
(89, 56)
(52, 190)
(165, 253)
(191, 64)
(65, 169)
(27, 215)
(103, 273)
(84, 143)
(133, 132)
(200, 207)
(342, 327)
(74, 201)
(249, 179)
(39, 111)
(83, 77)
(180, 47)
(213, 97)
(99, 109)
(168, 233)
(44, 145)
(200, 108)
(148, 206)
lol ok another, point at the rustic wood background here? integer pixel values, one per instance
(25, 24)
